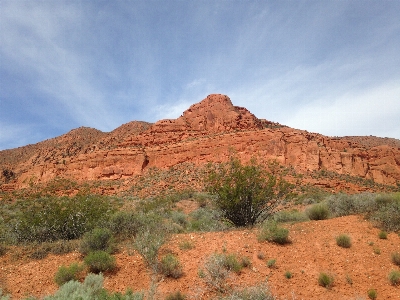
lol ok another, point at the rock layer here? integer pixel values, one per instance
(208, 131)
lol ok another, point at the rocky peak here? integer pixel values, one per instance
(216, 113)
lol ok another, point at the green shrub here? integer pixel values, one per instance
(245, 262)
(50, 219)
(260, 292)
(68, 273)
(206, 220)
(271, 232)
(97, 239)
(382, 235)
(186, 245)
(396, 258)
(176, 296)
(318, 211)
(215, 272)
(372, 294)
(231, 263)
(125, 224)
(343, 241)
(271, 263)
(290, 216)
(326, 280)
(394, 277)
(100, 261)
(388, 215)
(344, 204)
(288, 274)
(246, 194)
(91, 288)
(171, 266)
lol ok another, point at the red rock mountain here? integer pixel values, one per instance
(208, 131)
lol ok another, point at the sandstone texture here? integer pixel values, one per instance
(209, 131)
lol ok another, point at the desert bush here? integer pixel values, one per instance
(271, 232)
(125, 224)
(288, 274)
(260, 292)
(394, 277)
(231, 263)
(396, 258)
(372, 294)
(343, 241)
(186, 245)
(171, 266)
(388, 215)
(100, 261)
(318, 211)
(176, 296)
(91, 288)
(97, 239)
(290, 216)
(246, 194)
(326, 280)
(206, 220)
(215, 272)
(68, 273)
(271, 263)
(382, 235)
(150, 238)
(344, 204)
(50, 219)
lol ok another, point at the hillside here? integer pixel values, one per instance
(208, 131)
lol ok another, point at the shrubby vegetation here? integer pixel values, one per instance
(271, 232)
(51, 219)
(246, 194)
(91, 288)
(68, 273)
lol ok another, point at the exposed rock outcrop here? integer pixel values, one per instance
(208, 131)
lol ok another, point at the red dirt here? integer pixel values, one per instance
(312, 250)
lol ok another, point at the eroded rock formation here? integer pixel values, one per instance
(208, 131)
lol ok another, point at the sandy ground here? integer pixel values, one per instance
(312, 250)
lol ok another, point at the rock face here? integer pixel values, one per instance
(206, 132)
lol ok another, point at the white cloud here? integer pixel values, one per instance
(371, 111)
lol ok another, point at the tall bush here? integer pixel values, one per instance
(246, 194)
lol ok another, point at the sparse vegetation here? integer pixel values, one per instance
(394, 277)
(318, 211)
(271, 232)
(68, 273)
(176, 296)
(396, 258)
(171, 266)
(271, 263)
(97, 239)
(382, 235)
(51, 219)
(326, 280)
(260, 292)
(91, 288)
(372, 294)
(343, 241)
(245, 194)
(100, 261)
(288, 274)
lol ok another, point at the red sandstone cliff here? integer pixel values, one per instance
(207, 131)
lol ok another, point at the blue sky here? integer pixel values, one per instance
(331, 67)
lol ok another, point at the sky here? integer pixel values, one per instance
(325, 66)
